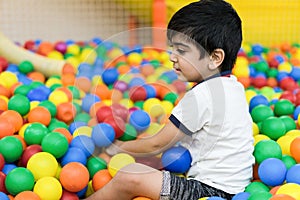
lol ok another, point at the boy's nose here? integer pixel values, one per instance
(173, 57)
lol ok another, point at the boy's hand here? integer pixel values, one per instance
(114, 148)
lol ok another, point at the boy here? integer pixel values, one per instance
(211, 120)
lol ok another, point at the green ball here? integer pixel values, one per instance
(289, 122)
(36, 84)
(266, 149)
(34, 133)
(22, 89)
(155, 63)
(261, 112)
(261, 66)
(25, 67)
(283, 107)
(55, 144)
(129, 134)
(77, 107)
(139, 104)
(255, 187)
(94, 164)
(55, 123)
(273, 127)
(82, 117)
(19, 103)
(260, 196)
(171, 96)
(272, 72)
(75, 92)
(11, 148)
(55, 86)
(18, 180)
(289, 161)
(49, 106)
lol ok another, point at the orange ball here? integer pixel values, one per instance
(274, 189)
(92, 122)
(295, 149)
(45, 48)
(245, 81)
(101, 91)
(5, 91)
(27, 195)
(68, 69)
(74, 176)
(6, 128)
(147, 70)
(65, 132)
(83, 83)
(68, 79)
(66, 112)
(14, 118)
(95, 107)
(124, 69)
(36, 76)
(116, 96)
(39, 114)
(100, 179)
(282, 197)
(3, 105)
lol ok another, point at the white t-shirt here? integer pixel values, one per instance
(214, 114)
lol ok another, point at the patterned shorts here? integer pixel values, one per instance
(179, 188)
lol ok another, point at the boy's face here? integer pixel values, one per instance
(187, 62)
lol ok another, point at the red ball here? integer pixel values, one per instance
(288, 83)
(120, 111)
(2, 162)
(3, 64)
(289, 96)
(137, 93)
(66, 195)
(103, 113)
(118, 125)
(259, 82)
(28, 152)
(30, 45)
(2, 183)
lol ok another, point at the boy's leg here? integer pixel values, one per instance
(132, 181)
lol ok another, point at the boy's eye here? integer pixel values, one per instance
(180, 51)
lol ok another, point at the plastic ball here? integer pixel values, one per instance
(38, 94)
(283, 107)
(119, 161)
(28, 152)
(241, 196)
(26, 195)
(288, 160)
(57, 97)
(266, 149)
(261, 112)
(2, 162)
(14, 118)
(18, 180)
(109, 76)
(292, 189)
(74, 176)
(74, 154)
(66, 195)
(94, 164)
(260, 195)
(83, 130)
(8, 79)
(129, 134)
(84, 143)
(289, 122)
(137, 93)
(140, 120)
(272, 171)
(39, 114)
(295, 149)
(42, 164)
(118, 125)
(88, 101)
(134, 59)
(100, 179)
(285, 143)
(121, 85)
(11, 148)
(293, 174)
(55, 143)
(120, 111)
(285, 67)
(49, 106)
(25, 67)
(34, 133)
(154, 107)
(255, 187)
(88, 55)
(19, 103)
(281, 197)
(103, 135)
(104, 112)
(176, 159)
(6, 128)
(48, 188)
(8, 167)
(3, 196)
(273, 127)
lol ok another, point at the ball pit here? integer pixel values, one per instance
(108, 93)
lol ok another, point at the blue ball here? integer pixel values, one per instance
(258, 100)
(109, 76)
(215, 198)
(293, 174)
(88, 101)
(272, 172)
(40, 93)
(257, 49)
(3, 196)
(84, 143)
(151, 92)
(281, 75)
(241, 196)
(8, 167)
(24, 79)
(140, 120)
(82, 192)
(176, 159)
(103, 135)
(76, 124)
(12, 68)
(296, 112)
(136, 81)
(295, 73)
(74, 154)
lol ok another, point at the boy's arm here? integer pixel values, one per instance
(153, 145)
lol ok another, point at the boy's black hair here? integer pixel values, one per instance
(211, 24)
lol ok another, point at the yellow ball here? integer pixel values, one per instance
(134, 59)
(48, 188)
(285, 143)
(127, 103)
(8, 79)
(34, 104)
(42, 164)
(55, 55)
(291, 189)
(88, 55)
(153, 128)
(242, 61)
(73, 49)
(22, 129)
(74, 61)
(241, 71)
(249, 95)
(293, 133)
(83, 130)
(167, 106)
(115, 53)
(107, 102)
(52, 81)
(285, 67)
(164, 56)
(259, 138)
(153, 107)
(57, 97)
(119, 161)
(90, 189)
(58, 171)
(255, 129)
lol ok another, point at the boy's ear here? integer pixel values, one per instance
(217, 57)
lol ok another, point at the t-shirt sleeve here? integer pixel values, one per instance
(191, 113)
